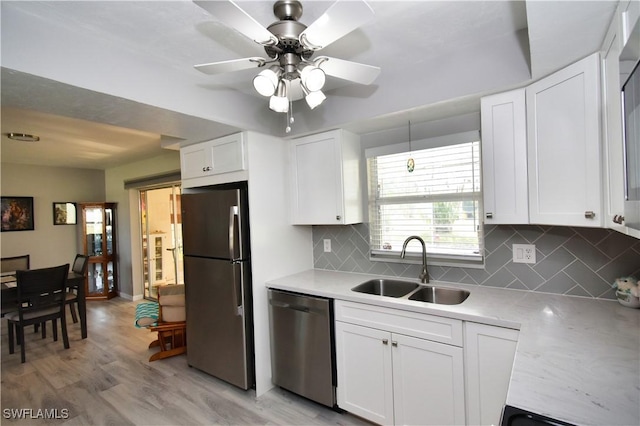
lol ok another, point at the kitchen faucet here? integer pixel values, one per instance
(424, 276)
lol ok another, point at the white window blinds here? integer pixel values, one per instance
(438, 201)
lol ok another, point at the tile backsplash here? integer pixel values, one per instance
(572, 261)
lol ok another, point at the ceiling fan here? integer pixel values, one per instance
(291, 72)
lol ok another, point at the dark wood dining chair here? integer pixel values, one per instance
(14, 263)
(38, 297)
(79, 267)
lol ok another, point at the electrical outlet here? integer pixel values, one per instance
(524, 253)
(327, 245)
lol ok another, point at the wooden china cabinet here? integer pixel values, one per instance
(98, 235)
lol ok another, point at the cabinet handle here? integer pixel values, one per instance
(394, 344)
(589, 214)
(618, 219)
(385, 341)
(206, 169)
(338, 217)
(489, 215)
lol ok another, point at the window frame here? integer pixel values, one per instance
(438, 259)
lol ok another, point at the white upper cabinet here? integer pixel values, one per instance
(326, 187)
(563, 122)
(215, 157)
(504, 158)
(613, 156)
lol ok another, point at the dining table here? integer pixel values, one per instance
(9, 294)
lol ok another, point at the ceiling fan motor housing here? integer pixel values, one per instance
(287, 30)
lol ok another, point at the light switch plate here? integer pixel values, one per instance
(327, 245)
(524, 253)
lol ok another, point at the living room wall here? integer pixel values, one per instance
(48, 244)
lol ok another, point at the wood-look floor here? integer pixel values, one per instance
(107, 379)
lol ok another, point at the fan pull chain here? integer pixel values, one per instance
(290, 119)
(411, 164)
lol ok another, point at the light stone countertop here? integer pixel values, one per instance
(577, 359)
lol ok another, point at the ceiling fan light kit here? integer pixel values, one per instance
(314, 98)
(292, 74)
(280, 102)
(266, 82)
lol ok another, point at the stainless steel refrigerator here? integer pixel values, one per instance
(215, 229)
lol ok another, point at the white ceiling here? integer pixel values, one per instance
(105, 83)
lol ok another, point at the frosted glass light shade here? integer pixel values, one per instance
(266, 81)
(315, 98)
(313, 78)
(280, 101)
(279, 104)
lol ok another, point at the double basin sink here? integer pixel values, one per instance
(414, 291)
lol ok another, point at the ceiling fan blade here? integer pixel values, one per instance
(232, 15)
(347, 70)
(230, 66)
(339, 20)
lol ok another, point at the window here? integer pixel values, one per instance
(438, 201)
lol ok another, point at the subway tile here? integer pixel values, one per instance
(496, 260)
(498, 235)
(502, 278)
(578, 291)
(615, 244)
(525, 274)
(590, 255)
(558, 284)
(624, 265)
(593, 235)
(477, 275)
(554, 263)
(517, 285)
(529, 232)
(553, 238)
(579, 261)
(453, 275)
(586, 278)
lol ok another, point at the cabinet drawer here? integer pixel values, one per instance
(422, 326)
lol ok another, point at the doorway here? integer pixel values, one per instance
(161, 230)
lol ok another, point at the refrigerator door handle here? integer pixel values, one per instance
(233, 214)
(237, 295)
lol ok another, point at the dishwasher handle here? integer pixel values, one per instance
(290, 306)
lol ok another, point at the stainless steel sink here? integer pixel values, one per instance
(386, 287)
(440, 295)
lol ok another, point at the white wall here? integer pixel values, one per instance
(277, 247)
(48, 244)
(129, 240)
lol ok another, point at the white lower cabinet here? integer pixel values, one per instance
(489, 352)
(389, 377)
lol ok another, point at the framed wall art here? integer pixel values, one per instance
(64, 213)
(17, 214)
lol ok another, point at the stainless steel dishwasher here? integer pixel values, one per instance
(302, 352)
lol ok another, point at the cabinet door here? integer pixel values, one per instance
(504, 158)
(489, 353)
(363, 362)
(218, 156)
(227, 154)
(563, 124)
(195, 161)
(612, 116)
(317, 180)
(428, 382)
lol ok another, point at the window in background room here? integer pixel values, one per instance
(438, 201)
